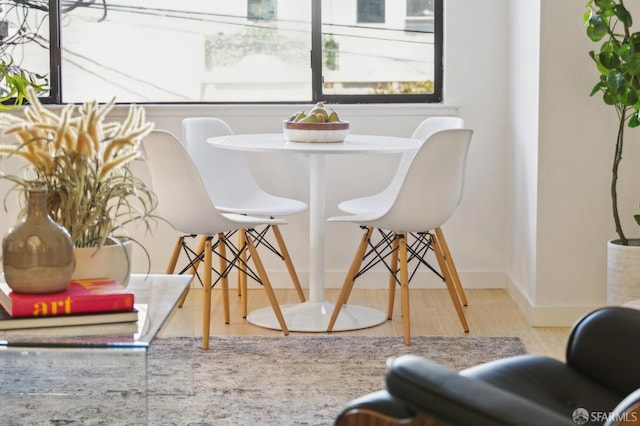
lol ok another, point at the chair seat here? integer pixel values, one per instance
(264, 205)
(364, 204)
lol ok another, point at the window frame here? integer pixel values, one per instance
(316, 63)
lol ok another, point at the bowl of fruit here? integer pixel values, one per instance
(320, 124)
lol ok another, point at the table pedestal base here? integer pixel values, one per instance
(315, 316)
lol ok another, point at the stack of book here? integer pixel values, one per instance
(86, 302)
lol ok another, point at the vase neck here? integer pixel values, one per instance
(38, 203)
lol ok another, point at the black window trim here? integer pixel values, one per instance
(55, 76)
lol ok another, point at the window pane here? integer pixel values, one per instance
(420, 15)
(371, 11)
(187, 51)
(389, 58)
(24, 34)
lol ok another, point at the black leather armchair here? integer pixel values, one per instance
(599, 384)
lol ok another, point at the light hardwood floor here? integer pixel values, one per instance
(489, 313)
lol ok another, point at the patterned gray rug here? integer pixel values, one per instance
(293, 380)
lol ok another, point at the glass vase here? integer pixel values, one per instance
(37, 253)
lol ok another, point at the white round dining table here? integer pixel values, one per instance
(313, 315)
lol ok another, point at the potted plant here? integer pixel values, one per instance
(84, 163)
(14, 81)
(608, 22)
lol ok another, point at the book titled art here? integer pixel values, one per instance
(82, 296)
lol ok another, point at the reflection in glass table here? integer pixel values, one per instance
(96, 372)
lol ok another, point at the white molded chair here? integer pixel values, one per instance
(231, 185)
(422, 132)
(184, 202)
(430, 191)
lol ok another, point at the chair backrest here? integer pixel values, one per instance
(432, 187)
(604, 346)
(430, 125)
(182, 198)
(219, 167)
(425, 129)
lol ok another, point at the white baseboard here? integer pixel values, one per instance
(379, 280)
(547, 316)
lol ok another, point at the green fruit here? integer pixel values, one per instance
(311, 118)
(299, 116)
(320, 111)
(333, 117)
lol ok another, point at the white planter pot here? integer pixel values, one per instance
(623, 272)
(112, 261)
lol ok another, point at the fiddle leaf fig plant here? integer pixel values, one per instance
(608, 22)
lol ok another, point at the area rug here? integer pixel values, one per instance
(288, 380)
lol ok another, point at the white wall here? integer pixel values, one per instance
(538, 167)
(561, 144)
(575, 150)
(476, 233)
(522, 147)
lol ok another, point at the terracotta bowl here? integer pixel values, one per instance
(315, 132)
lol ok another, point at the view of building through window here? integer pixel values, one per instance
(228, 51)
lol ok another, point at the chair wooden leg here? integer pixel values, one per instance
(404, 287)
(224, 278)
(206, 295)
(392, 276)
(194, 267)
(262, 273)
(287, 261)
(452, 267)
(173, 260)
(449, 281)
(171, 267)
(350, 279)
(242, 270)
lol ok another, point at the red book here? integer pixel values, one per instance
(81, 297)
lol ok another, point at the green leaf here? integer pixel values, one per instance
(601, 68)
(609, 97)
(634, 121)
(598, 87)
(596, 28)
(627, 96)
(615, 81)
(608, 56)
(633, 64)
(634, 41)
(606, 5)
(623, 14)
(637, 218)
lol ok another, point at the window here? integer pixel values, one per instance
(371, 11)
(261, 9)
(420, 15)
(220, 51)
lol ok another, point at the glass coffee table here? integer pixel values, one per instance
(87, 374)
